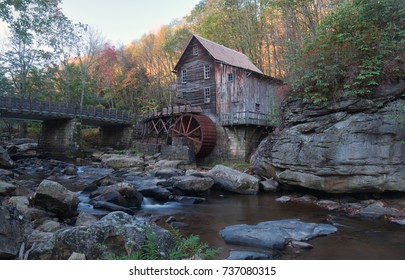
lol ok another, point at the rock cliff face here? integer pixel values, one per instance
(352, 145)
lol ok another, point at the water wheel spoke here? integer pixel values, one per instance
(194, 130)
(178, 132)
(182, 126)
(194, 140)
(189, 123)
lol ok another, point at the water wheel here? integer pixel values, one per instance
(199, 130)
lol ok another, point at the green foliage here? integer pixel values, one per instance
(356, 48)
(33, 129)
(186, 247)
(191, 247)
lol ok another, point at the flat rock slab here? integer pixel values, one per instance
(274, 234)
(248, 255)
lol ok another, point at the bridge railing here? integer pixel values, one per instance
(21, 105)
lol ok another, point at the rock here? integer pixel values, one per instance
(55, 198)
(378, 210)
(170, 219)
(14, 227)
(300, 244)
(328, 204)
(274, 234)
(193, 185)
(4, 174)
(112, 207)
(188, 199)
(248, 255)
(270, 185)
(399, 221)
(233, 180)
(117, 234)
(6, 188)
(122, 161)
(352, 145)
(158, 193)
(178, 225)
(21, 203)
(70, 170)
(49, 226)
(5, 160)
(85, 219)
(122, 194)
(20, 151)
(167, 164)
(283, 199)
(166, 173)
(77, 257)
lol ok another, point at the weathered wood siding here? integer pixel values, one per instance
(193, 90)
(243, 93)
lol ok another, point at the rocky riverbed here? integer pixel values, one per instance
(57, 210)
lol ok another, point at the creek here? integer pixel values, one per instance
(357, 238)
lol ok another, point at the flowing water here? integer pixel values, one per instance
(357, 238)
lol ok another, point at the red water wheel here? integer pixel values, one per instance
(199, 130)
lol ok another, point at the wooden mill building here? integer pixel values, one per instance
(229, 102)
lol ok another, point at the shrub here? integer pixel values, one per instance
(357, 48)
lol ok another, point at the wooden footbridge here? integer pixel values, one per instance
(61, 130)
(26, 109)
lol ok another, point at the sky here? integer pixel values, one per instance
(123, 21)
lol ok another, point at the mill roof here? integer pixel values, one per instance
(225, 55)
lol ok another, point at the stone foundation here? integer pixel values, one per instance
(60, 138)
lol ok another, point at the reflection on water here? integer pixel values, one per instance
(357, 238)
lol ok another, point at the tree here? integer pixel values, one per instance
(33, 26)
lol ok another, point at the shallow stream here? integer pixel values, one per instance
(357, 238)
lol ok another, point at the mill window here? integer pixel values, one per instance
(195, 51)
(206, 71)
(184, 76)
(230, 77)
(207, 95)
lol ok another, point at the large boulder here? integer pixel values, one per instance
(122, 161)
(55, 198)
(6, 188)
(352, 145)
(117, 234)
(274, 234)
(193, 185)
(26, 150)
(122, 194)
(233, 180)
(5, 160)
(14, 227)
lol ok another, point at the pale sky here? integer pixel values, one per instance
(122, 21)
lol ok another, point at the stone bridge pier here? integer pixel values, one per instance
(62, 138)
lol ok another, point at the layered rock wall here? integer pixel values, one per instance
(354, 145)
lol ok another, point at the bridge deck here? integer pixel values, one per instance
(25, 109)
